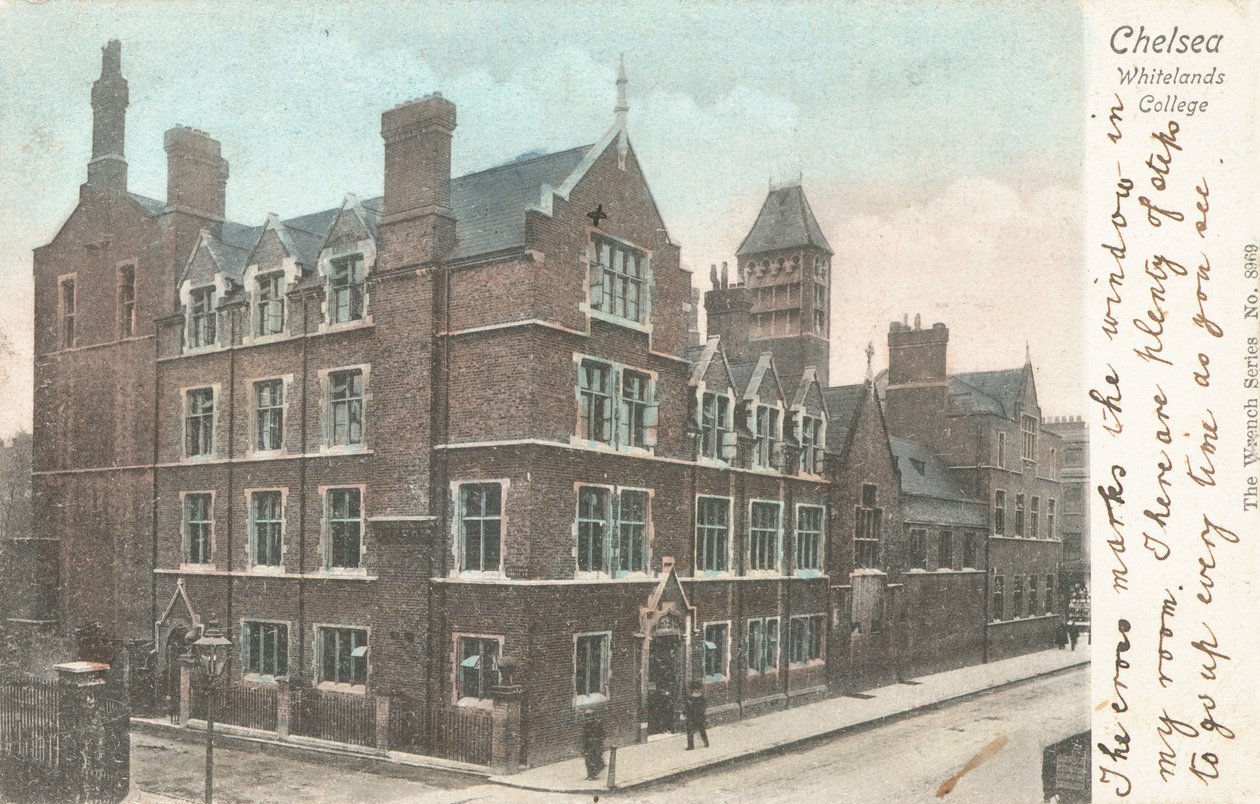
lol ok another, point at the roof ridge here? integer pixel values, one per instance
(513, 162)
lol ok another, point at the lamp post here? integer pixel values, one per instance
(211, 652)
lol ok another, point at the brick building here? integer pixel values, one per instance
(398, 442)
(1074, 529)
(987, 428)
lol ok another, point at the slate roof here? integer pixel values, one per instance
(741, 374)
(785, 221)
(995, 392)
(843, 403)
(930, 493)
(489, 206)
(489, 209)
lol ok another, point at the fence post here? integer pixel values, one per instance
(505, 742)
(79, 719)
(382, 722)
(186, 665)
(283, 708)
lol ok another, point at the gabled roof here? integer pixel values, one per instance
(489, 206)
(809, 379)
(997, 392)
(929, 492)
(748, 376)
(924, 472)
(785, 221)
(843, 403)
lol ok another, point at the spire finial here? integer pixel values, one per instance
(1027, 353)
(623, 105)
(870, 354)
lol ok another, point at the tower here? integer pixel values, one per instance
(786, 262)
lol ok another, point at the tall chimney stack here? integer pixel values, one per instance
(417, 137)
(728, 314)
(196, 174)
(107, 172)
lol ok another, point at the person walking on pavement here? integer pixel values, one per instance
(1061, 636)
(695, 715)
(1074, 633)
(592, 743)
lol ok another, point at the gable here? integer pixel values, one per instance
(270, 251)
(347, 230)
(202, 268)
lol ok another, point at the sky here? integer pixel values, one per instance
(940, 144)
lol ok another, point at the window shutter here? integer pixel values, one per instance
(729, 442)
(596, 277)
(649, 282)
(613, 534)
(651, 418)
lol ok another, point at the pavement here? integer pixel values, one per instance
(167, 762)
(666, 759)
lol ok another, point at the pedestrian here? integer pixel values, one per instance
(592, 743)
(695, 715)
(1061, 636)
(1074, 633)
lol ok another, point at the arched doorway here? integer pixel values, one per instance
(665, 627)
(177, 642)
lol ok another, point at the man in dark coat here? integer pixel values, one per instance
(1061, 636)
(695, 715)
(1074, 633)
(592, 743)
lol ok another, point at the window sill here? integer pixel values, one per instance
(617, 320)
(475, 703)
(262, 340)
(266, 569)
(769, 671)
(708, 575)
(343, 449)
(764, 573)
(716, 679)
(266, 454)
(201, 569)
(350, 572)
(337, 686)
(193, 460)
(347, 326)
(477, 575)
(808, 574)
(262, 679)
(202, 350)
(593, 699)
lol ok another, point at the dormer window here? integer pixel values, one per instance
(811, 444)
(270, 304)
(201, 317)
(617, 280)
(346, 289)
(715, 423)
(767, 424)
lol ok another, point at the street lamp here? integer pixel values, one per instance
(211, 653)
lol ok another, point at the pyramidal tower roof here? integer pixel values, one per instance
(785, 221)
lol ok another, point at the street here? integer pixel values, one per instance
(910, 759)
(905, 761)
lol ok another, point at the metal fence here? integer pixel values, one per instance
(239, 705)
(29, 727)
(463, 733)
(54, 748)
(331, 716)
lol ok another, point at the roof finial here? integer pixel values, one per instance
(623, 105)
(870, 353)
(1027, 353)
